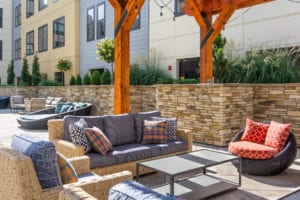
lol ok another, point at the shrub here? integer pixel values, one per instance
(25, 72)
(105, 77)
(10, 73)
(187, 81)
(96, 78)
(72, 80)
(78, 80)
(36, 76)
(49, 83)
(165, 80)
(86, 79)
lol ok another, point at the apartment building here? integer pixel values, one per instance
(16, 36)
(50, 29)
(5, 38)
(269, 25)
(97, 23)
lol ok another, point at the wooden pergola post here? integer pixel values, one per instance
(126, 12)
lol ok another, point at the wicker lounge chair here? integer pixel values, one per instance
(17, 103)
(272, 166)
(34, 104)
(39, 119)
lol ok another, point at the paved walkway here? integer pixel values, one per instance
(253, 187)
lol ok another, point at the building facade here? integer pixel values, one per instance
(268, 25)
(16, 36)
(5, 38)
(50, 29)
(97, 23)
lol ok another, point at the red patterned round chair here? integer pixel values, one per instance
(271, 166)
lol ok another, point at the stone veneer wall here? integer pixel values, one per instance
(214, 112)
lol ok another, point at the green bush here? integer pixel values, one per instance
(11, 73)
(87, 79)
(165, 80)
(25, 76)
(187, 81)
(96, 78)
(78, 80)
(72, 80)
(49, 83)
(105, 78)
(36, 76)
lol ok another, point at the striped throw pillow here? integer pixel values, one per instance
(67, 172)
(98, 140)
(154, 132)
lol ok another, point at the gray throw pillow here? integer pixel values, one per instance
(77, 133)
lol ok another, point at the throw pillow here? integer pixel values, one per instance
(255, 132)
(65, 108)
(67, 172)
(277, 135)
(171, 128)
(154, 132)
(77, 134)
(98, 140)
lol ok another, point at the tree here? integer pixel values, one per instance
(219, 60)
(105, 78)
(25, 76)
(78, 80)
(87, 79)
(72, 81)
(62, 66)
(96, 78)
(106, 51)
(11, 73)
(36, 76)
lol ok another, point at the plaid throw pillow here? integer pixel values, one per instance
(98, 140)
(67, 172)
(154, 132)
(171, 128)
(77, 134)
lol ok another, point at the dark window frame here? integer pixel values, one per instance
(137, 23)
(41, 47)
(90, 24)
(101, 23)
(29, 43)
(18, 15)
(42, 4)
(177, 6)
(1, 50)
(18, 49)
(58, 43)
(1, 17)
(28, 12)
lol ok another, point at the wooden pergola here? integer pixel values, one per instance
(126, 11)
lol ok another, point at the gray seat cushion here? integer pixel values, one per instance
(139, 123)
(43, 156)
(90, 120)
(119, 129)
(134, 152)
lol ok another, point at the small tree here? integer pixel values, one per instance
(25, 76)
(96, 78)
(11, 73)
(87, 79)
(78, 80)
(72, 81)
(62, 66)
(105, 78)
(106, 51)
(36, 76)
(219, 60)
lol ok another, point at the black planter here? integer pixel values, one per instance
(4, 101)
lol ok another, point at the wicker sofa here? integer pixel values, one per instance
(124, 156)
(20, 180)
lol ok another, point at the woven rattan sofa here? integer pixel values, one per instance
(129, 154)
(34, 104)
(19, 180)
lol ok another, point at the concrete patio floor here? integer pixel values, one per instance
(253, 187)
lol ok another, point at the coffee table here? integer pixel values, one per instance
(195, 186)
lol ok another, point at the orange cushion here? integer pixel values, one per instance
(277, 135)
(255, 132)
(251, 150)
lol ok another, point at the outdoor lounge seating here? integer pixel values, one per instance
(17, 103)
(34, 104)
(123, 133)
(39, 119)
(22, 174)
(51, 102)
(271, 166)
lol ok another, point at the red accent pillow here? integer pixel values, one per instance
(251, 150)
(277, 135)
(255, 132)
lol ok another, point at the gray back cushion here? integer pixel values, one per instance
(119, 129)
(139, 122)
(90, 120)
(43, 156)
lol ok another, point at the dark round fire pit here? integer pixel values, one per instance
(4, 101)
